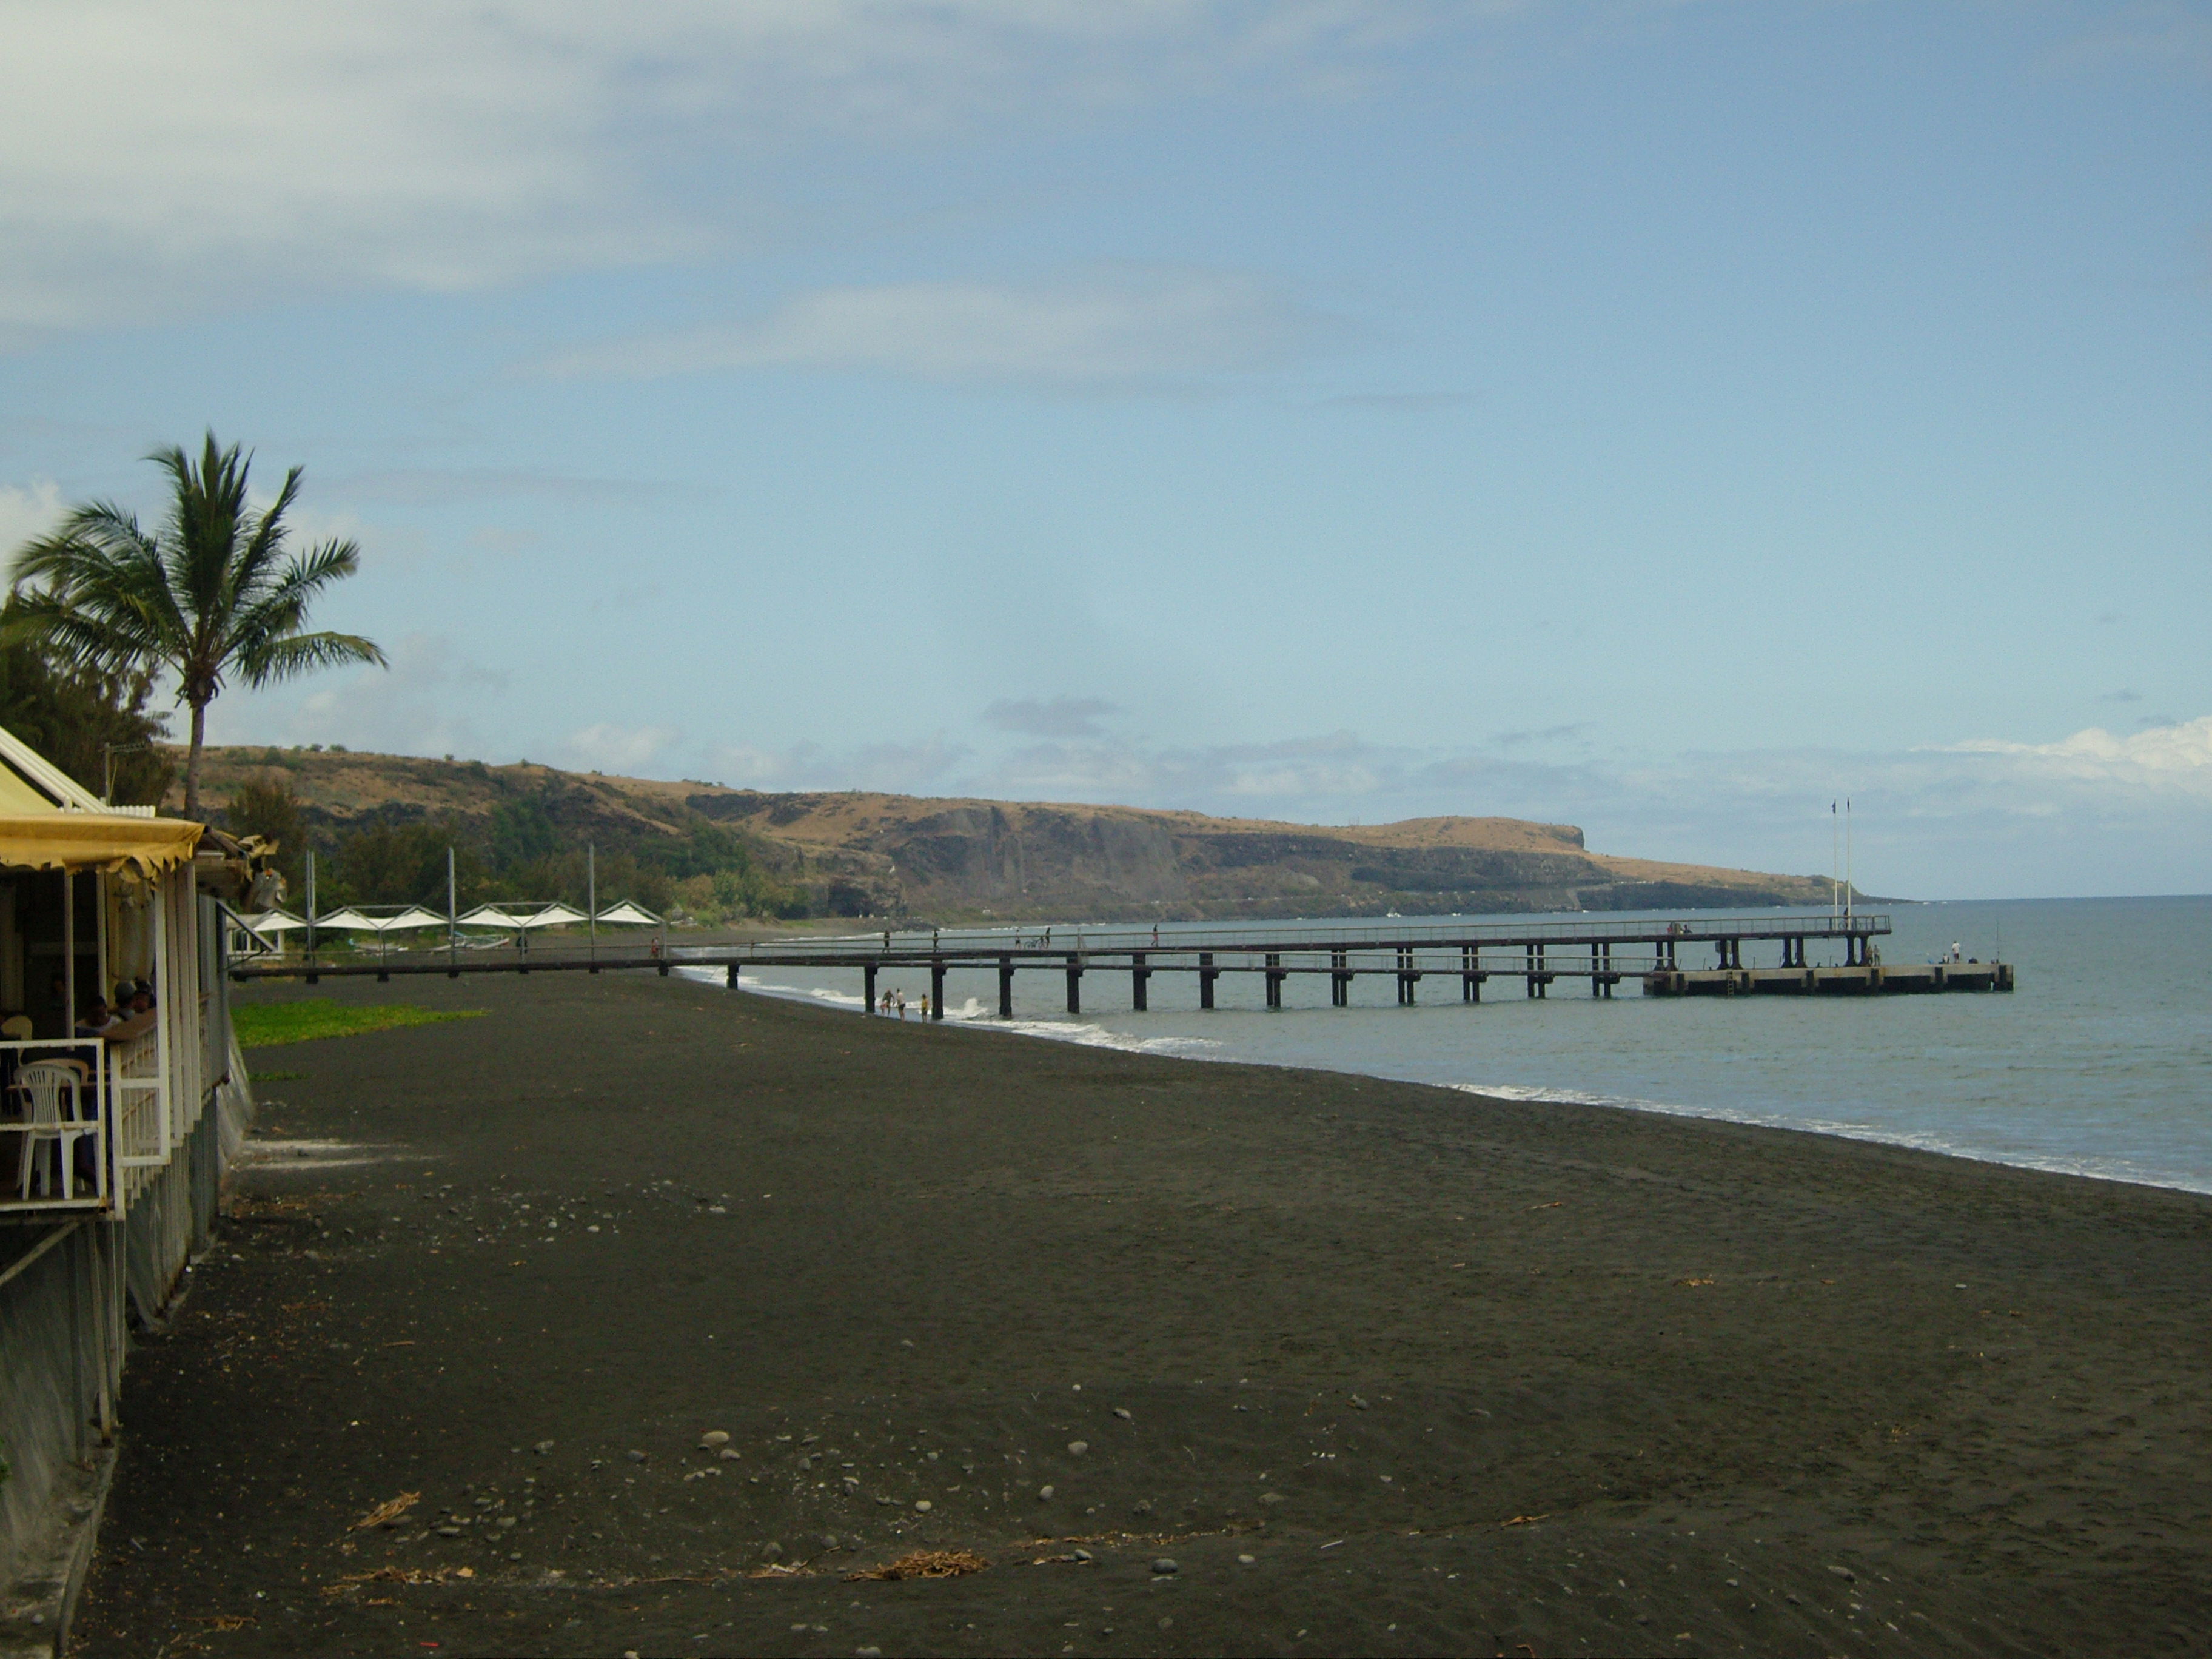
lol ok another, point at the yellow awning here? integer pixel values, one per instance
(94, 841)
(18, 798)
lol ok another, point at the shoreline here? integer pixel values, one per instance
(1174, 1047)
(1383, 1368)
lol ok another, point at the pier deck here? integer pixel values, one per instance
(1538, 952)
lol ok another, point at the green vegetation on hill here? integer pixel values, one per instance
(381, 823)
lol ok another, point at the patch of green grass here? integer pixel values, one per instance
(263, 1025)
(279, 1077)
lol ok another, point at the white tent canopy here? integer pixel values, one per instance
(629, 915)
(521, 916)
(270, 922)
(351, 921)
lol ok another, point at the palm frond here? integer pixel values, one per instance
(282, 608)
(298, 653)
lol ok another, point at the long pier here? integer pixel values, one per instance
(1539, 953)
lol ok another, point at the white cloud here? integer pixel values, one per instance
(427, 704)
(1060, 717)
(27, 511)
(606, 747)
(925, 767)
(1123, 326)
(2093, 813)
(157, 157)
(2165, 757)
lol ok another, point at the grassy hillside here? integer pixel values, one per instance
(381, 823)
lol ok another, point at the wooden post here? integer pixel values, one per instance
(1274, 979)
(937, 988)
(1006, 987)
(868, 973)
(1074, 984)
(1207, 972)
(1138, 975)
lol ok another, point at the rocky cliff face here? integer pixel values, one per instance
(983, 860)
(951, 861)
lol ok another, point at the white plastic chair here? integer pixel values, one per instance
(45, 1084)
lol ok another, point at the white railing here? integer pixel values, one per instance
(41, 1159)
(139, 1085)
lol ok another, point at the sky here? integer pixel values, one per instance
(1669, 416)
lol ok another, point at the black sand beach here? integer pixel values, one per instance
(1456, 1375)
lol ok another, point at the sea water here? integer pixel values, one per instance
(2100, 1063)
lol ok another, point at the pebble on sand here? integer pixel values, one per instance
(543, 1447)
(1247, 1560)
(922, 1506)
(1166, 1566)
(771, 1551)
(1123, 1414)
(713, 1438)
(1077, 1447)
(1044, 1492)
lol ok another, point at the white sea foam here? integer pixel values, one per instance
(2107, 1169)
(973, 1012)
(2105, 1075)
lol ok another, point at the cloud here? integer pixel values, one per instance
(1120, 326)
(2090, 813)
(606, 747)
(425, 704)
(157, 158)
(1063, 717)
(921, 768)
(2165, 759)
(1541, 735)
(27, 512)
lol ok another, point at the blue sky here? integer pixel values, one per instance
(1665, 418)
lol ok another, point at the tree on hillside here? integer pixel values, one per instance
(209, 595)
(91, 724)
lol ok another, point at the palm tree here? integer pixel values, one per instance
(211, 595)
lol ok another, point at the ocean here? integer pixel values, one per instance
(2100, 1064)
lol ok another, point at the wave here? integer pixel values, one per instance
(976, 1015)
(1921, 1140)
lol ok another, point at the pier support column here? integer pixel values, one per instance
(1609, 974)
(731, 978)
(1075, 985)
(1339, 981)
(1597, 982)
(1138, 975)
(937, 988)
(1207, 972)
(868, 977)
(1274, 980)
(1535, 989)
(1407, 976)
(1470, 973)
(1006, 987)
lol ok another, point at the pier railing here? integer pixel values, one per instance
(1381, 934)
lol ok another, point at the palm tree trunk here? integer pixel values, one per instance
(192, 761)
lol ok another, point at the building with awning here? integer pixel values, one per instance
(114, 1131)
